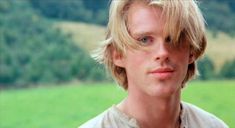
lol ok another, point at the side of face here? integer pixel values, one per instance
(158, 68)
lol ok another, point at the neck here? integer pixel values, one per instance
(152, 112)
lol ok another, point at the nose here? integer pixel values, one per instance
(161, 51)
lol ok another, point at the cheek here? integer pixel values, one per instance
(136, 62)
(183, 62)
(181, 59)
(183, 55)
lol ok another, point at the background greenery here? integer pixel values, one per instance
(33, 52)
(71, 105)
(46, 41)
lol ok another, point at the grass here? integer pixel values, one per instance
(88, 36)
(70, 105)
(52, 107)
(215, 97)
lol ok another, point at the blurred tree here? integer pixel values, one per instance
(206, 68)
(219, 15)
(228, 70)
(90, 11)
(33, 52)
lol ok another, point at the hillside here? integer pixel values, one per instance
(220, 48)
(32, 52)
(86, 35)
(219, 14)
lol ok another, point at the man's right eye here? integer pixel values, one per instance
(146, 40)
(168, 39)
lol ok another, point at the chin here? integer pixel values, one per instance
(163, 90)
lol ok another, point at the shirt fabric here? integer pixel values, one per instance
(191, 117)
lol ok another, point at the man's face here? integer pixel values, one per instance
(160, 67)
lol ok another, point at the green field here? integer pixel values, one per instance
(70, 105)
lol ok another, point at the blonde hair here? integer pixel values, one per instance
(184, 21)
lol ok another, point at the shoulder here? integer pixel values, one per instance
(112, 117)
(96, 122)
(198, 117)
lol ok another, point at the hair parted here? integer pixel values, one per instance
(184, 21)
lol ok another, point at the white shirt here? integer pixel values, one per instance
(191, 117)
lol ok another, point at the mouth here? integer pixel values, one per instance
(162, 73)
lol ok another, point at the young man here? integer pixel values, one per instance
(150, 50)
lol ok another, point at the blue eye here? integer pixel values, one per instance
(145, 40)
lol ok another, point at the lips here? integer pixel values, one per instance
(162, 73)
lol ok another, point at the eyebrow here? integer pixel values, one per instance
(141, 33)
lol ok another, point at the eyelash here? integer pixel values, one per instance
(145, 40)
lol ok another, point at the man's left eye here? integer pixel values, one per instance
(145, 40)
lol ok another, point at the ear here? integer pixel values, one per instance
(118, 59)
(191, 59)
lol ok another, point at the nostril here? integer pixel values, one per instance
(163, 58)
(157, 58)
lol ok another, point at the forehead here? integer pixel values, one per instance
(144, 18)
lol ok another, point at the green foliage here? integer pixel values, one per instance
(70, 105)
(228, 70)
(91, 11)
(219, 15)
(206, 68)
(33, 52)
